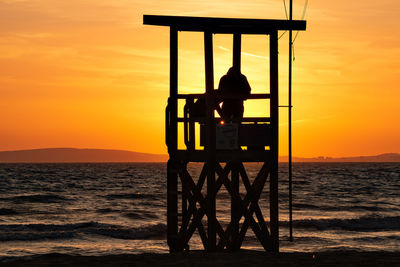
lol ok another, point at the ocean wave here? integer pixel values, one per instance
(365, 223)
(141, 215)
(349, 207)
(36, 198)
(29, 232)
(5, 211)
(130, 196)
(107, 210)
(131, 214)
(376, 239)
(145, 232)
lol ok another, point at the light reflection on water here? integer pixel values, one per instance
(120, 208)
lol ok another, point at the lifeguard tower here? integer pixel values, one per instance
(188, 203)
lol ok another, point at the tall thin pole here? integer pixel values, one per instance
(274, 104)
(290, 125)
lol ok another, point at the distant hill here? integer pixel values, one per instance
(108, 155)
(387, 157)
(79, 155)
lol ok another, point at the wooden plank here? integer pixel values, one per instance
(252, 198)
(229, 239)
(254, 136)
(172, 206)
(199, 215)
(184, 198)
(237, 47)
(217, 120)
(189, 125)
(173, 88)
(226, 25)
(203, 235)
(225, 96)
(235, 204)
(192, 134)
(210, 141)
(191, 197)
(193, 194)
(257, 209)
(185, 211)
(273, 191)
(203, 209)
(197, 190)
(172, 166)
(223, 155)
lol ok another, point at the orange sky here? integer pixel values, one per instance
(88, 74)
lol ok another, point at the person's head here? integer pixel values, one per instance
(233, 71)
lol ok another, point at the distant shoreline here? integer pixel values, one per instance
(77, 155)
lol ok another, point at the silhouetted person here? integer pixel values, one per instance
(233, 82)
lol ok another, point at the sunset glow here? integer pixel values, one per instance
(89, 74)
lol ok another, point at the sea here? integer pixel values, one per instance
(120, 208)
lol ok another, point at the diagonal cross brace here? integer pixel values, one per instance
(197, 196)
(252, 197)
(254, 194)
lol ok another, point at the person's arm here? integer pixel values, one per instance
(245, 85)
(222, 86)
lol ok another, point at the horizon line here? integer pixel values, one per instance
(320, 157)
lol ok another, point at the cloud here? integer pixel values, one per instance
(243, 53)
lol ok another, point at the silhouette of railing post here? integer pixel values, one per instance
(210, 141)
(235, 207)
(258, 134)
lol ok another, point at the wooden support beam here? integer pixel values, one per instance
(172, 165)
(173, 91)
(252, 197)
(172, 206)
(203, 201)
(194, 195)
(225, 96)
(273, 192)
(224, 155)
(224, 25)
(210, 141)
(235, 205)
(198, 214)
(237, 47)
(217, 120)
(247, 185)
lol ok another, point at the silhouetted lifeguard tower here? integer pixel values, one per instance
(187, 207)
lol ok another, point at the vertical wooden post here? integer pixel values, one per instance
(274, 211)
(173, 89)
(235, 208)
(237, 47)
(172, 166)
(210, 141)
(192, 141)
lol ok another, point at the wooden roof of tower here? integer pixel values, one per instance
(224, 25)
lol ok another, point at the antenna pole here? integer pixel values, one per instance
(290, 125)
